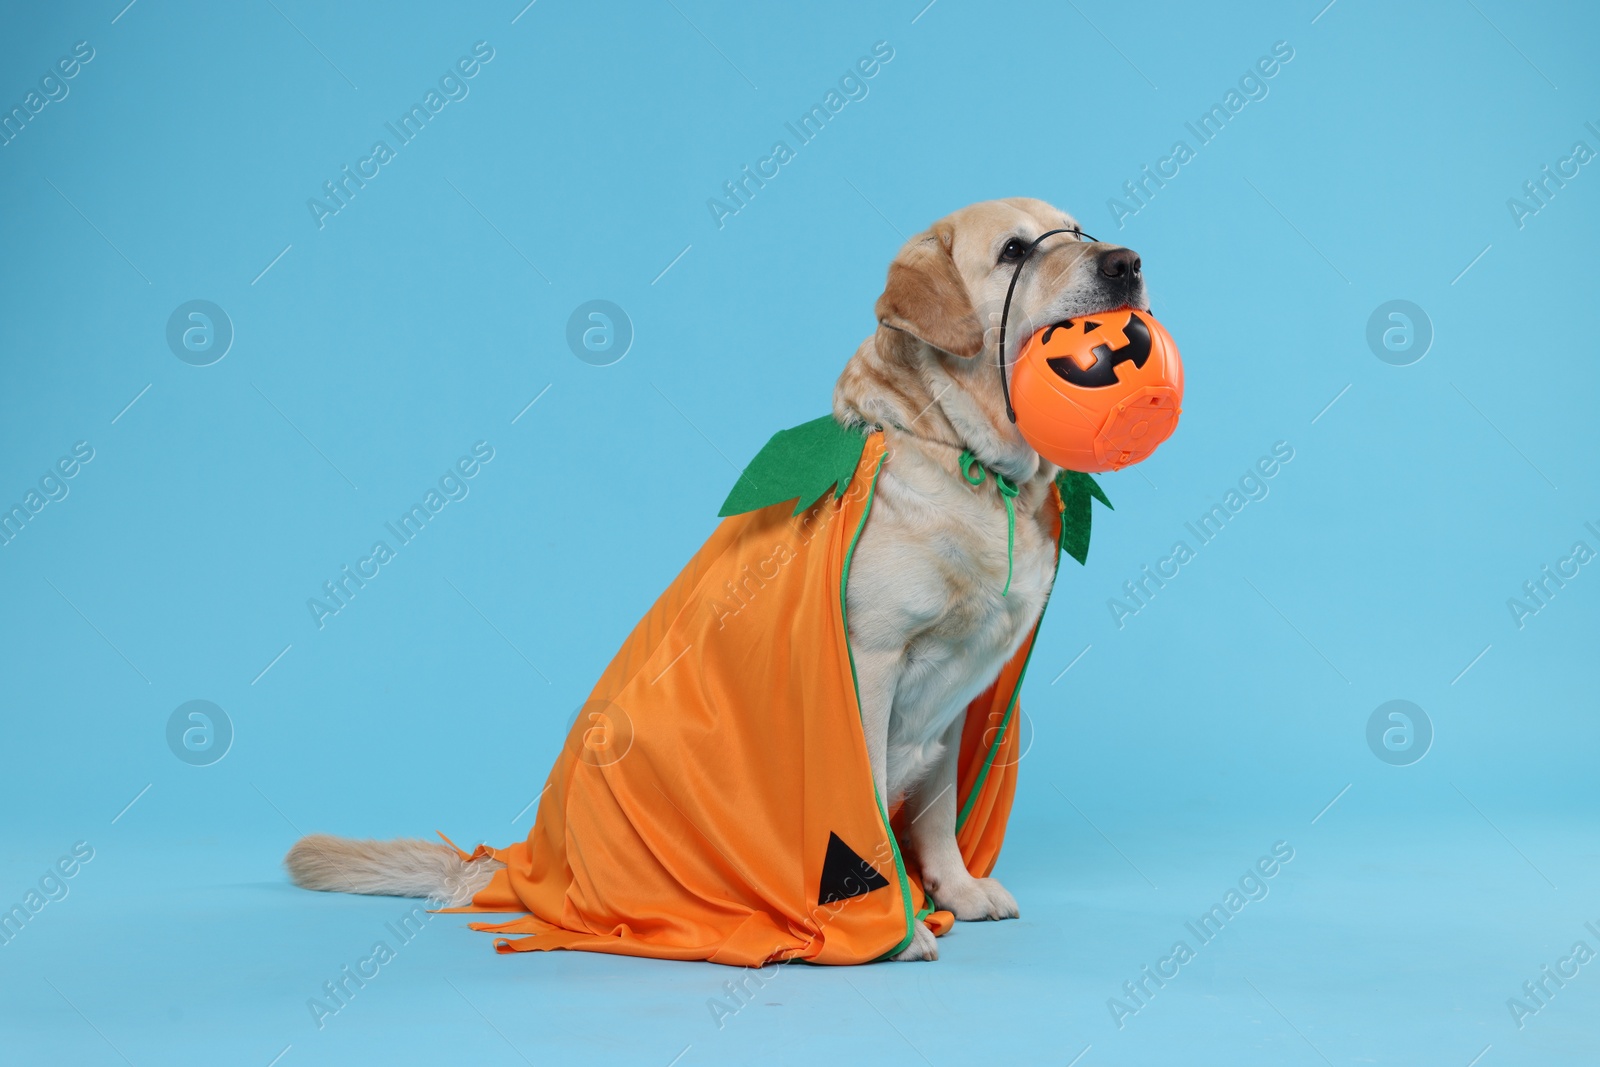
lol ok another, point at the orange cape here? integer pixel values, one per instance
(714, 798)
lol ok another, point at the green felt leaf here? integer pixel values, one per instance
(798, 464)
(1076, 490)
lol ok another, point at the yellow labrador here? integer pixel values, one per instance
(929, 629)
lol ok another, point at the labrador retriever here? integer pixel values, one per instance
(928, 627)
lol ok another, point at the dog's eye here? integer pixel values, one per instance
(1013, 250)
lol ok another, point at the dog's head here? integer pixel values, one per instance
(939, 317)
(948, 284)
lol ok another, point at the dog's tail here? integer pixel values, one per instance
(405, 867)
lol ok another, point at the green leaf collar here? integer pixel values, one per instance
(798, 464)
(802, 463)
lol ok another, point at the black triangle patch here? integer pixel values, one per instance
(1089, 326)
(845, 874)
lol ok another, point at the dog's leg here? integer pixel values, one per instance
(924, 946)
(931, 807)
(876, 675)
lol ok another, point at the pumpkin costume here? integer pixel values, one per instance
(714, 799)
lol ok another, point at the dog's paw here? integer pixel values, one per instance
(924, 946)
(974, 899)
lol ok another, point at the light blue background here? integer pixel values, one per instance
(430, 311)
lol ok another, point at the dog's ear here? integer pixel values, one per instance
(926, 297)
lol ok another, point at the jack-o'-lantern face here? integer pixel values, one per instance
(1100, 391)
(1095, 346)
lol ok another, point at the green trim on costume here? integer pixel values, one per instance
(855, 684)
(1008, 495)
(1005, 723)
(1075, 489)
(801, 464)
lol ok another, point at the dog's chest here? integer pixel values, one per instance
(989, 584)
(931, 579)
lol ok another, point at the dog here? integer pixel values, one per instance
(929, 628)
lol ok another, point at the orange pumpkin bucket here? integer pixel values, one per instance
(1099, 392)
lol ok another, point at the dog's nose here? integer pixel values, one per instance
(1120, 263)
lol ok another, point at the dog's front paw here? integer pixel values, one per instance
(974, 899)
(924, 946)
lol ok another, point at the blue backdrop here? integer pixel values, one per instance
(240, 341)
